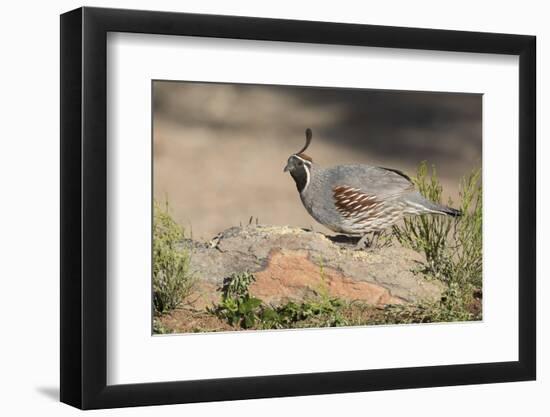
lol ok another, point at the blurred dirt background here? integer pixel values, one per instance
(219, 149)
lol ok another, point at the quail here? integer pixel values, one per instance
(357, 200)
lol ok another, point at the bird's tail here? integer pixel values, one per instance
(419, 205)
(449, 211)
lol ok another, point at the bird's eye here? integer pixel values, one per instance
(300, 163)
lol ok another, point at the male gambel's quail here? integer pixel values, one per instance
(357, 199)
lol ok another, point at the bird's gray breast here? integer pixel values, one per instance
(318, 200)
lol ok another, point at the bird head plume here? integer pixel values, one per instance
(299, 164)
(309, 136)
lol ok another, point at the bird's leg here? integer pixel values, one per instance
(375, 238)
(363, 242)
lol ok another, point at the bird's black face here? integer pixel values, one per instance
(299, 168)
(294, 163)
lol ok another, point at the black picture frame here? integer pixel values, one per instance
(84, 207)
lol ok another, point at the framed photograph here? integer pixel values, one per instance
(258, 208)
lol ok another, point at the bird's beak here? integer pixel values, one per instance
(286, 168)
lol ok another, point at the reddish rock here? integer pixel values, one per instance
(291, 275)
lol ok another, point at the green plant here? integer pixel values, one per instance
(239, 308)
(172, 278)
(455, 305)
(452, 249)
(427, 233)
(322, 312)
(452, 246)
(467, 255)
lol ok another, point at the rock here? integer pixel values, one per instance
(291, 275)
(294, 264)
